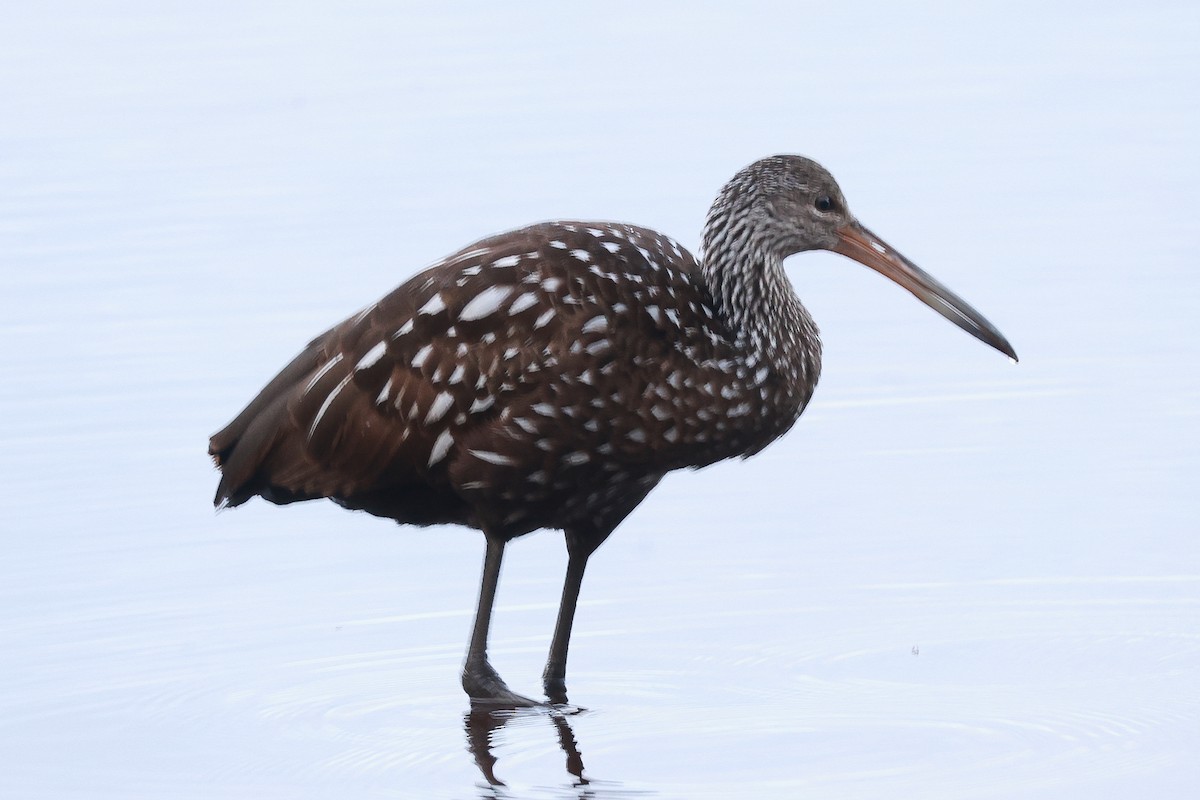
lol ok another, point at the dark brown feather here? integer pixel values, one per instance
(530, 380)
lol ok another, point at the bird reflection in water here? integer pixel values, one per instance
(483, 726)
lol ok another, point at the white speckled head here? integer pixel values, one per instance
(782, 205)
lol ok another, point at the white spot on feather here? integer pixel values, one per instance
(330, 364)
(325, 406)
(441, 446)
(486, 302)
(372, 357)
(441, 404)
(491, 458)
(421, 355)
(596, 323)
(545, 318)
(383, 394)
(404, 329)
(434, 305)
(523, 302)
(507, 261)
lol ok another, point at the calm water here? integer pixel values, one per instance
(955, 578)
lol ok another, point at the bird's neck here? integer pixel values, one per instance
(754, 297)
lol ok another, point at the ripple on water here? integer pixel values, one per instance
(931, 690)
(962, 690)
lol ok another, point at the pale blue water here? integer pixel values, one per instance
(955, 578)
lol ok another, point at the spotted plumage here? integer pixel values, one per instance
(447, 401)
(550, 377)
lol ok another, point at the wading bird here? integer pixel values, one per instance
(550, 377)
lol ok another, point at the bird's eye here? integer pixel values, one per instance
(824, 203)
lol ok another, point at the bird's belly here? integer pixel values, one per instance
(545, 467)
(514, 502)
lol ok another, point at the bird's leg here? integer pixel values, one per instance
(479, 679)
(554, 679)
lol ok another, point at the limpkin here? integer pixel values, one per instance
(550, 377)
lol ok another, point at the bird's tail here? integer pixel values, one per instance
(241, 447)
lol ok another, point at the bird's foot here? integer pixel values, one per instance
(555, 685)
(486, 688)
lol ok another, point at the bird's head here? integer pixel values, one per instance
(787, 204)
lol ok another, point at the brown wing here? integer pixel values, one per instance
(375, 411)
(371, 400)
(537, 374)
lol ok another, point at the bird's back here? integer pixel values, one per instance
(540, 378)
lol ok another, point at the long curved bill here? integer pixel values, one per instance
(858, 243)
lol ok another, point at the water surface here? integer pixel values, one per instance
(955, 578)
